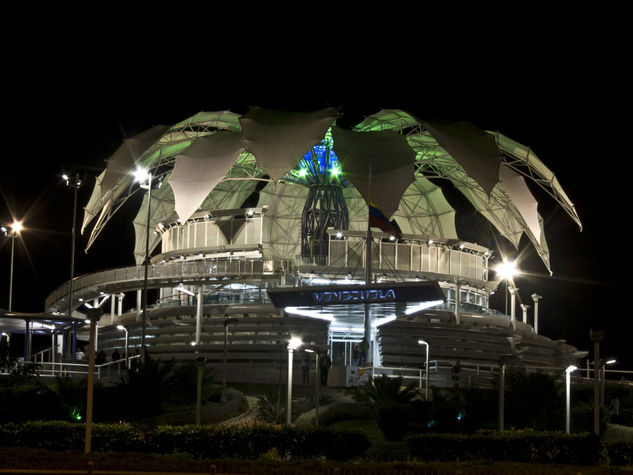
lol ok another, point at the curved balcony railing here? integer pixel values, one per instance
(132, 278)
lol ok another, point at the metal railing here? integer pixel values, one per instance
(105, 370)
(116, 280)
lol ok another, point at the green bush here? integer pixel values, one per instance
(345, 411)
(60, 435)
(198, 442)
(516, 446)
(620, 452)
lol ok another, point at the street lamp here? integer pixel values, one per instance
(317, 383)
(144, 178)
(121, 327)
(426, 393)
(227, 322)
(603, 377)
(16, 227)
(506, 271)
(568, 371)
(74, 184)
(293, 344)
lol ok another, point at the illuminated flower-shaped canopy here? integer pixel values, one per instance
(216, 160)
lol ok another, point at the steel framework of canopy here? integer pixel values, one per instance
(215, 160)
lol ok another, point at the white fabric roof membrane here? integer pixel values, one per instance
(200, 168)
(474, 149)
(94, 203)
(514, 185)
(538, 171)
(127, 155)
(278, 140)
(390, 158)
(424, 210)
(282, 218)
(162, 210)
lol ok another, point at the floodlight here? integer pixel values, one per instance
(506, 270)
(141, 175)
(294, 343)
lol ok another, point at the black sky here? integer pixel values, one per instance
(566, 111)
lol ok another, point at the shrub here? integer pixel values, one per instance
(198, 442)
(620, 452)
(516, 446)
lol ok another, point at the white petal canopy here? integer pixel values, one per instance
(217, 159)
(471, 147)
(128, 155)
(280, 139)
(200, 168)
(378, 163)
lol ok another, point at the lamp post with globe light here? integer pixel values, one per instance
(127, 361)
(568, 371)
(293, 344)
(144, 178)
(16, 228)
(506, 271)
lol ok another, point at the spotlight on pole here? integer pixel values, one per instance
(568, 371)
(293, 344)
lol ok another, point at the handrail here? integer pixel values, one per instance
(46, 368)
(176, 271)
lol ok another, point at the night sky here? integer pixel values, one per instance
(567, 117)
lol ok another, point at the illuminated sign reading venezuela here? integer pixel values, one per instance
(328, 297)
(355, 294)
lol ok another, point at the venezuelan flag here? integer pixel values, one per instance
(378, 220)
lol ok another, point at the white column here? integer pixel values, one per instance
(199, 316)
(120, 299)
(139, 304)
(458, 301)
(536, 298)
(112, 303)
(524, 308)
(512, 290)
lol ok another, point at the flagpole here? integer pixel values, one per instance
(367, 326)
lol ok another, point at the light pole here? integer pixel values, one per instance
(94, 314)
(16, 227)
(602, 377)
(74, 184)
(506, 271)
(127, 361)
(144, 178)
(227, 322)
(317, 383)
(536, 297)
(293, 344)
(426, 390)
(596, 338)
(501, 409)
(568, 371)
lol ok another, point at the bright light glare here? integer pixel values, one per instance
(506, 270)
(610, 362)
(309, 313)
(294, 343)
(140, 174)
(424, 306)
(571, 369)
(17, 227)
